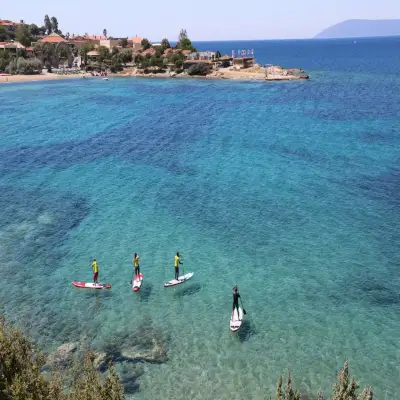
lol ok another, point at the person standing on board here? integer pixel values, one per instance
(95, 270)
(236, 296)
(177, 261)
(136, 265)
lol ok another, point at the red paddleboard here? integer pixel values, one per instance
(91, 285)
(137, 282)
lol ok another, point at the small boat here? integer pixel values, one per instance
(105, 79)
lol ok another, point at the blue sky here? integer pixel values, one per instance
(203, 20)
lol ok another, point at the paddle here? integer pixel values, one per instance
(241, 302)
(90, 263)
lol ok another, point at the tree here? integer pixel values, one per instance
(63, 52)
(54, 25)
(105, 33)
(178, 64)
(42, 30)
(114, 51)
(126, 55)
(84, 50)
(12, 68)
(186, 44)
(165, 44)
(116, 66)
(199, 69)
(34, 30)
(21, 53)
(3, 34)
(4, 60)
(21, 378)
(182, 35)
(47, 24)
(124, 42)
(104, 53)
(22, 35)
(145, 44)
(217, 55)
(156, 61)
(46, 53)
(138, 59)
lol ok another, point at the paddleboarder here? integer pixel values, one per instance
(95, 271)
(136, 265)
(236, 296)
(177, 261)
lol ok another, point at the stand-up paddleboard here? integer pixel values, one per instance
(235, 322)
(181, 279)
(137, 282)
(91, 285)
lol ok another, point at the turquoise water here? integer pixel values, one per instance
(290, 190)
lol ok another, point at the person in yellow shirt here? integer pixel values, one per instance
(95, 270)
(177, 261)
(136, 265)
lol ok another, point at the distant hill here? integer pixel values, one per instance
(362, 28)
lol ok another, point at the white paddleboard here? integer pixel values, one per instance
(235, 322)
(137, 282)
(181, 279)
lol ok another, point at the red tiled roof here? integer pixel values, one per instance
(167, 51)
(95, 37)
(87, 37)
(185, 52)
(53, 38)
(12, 45)
(136, 39)
(29, 48)
(6, 22)
(149, 51)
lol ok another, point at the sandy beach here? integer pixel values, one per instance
(36, 78)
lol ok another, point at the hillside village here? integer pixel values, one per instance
(30, 49)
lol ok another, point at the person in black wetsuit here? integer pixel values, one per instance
(236, 296)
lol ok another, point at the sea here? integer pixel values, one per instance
(289, 189)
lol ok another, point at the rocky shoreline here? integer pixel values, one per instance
(256, 73)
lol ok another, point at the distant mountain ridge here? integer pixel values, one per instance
(361, 28)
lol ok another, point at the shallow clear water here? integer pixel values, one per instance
(290, 190)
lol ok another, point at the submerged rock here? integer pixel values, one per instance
(62, 357)
(100, 361)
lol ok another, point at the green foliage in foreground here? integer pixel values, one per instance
(21, 376)
(344, 389)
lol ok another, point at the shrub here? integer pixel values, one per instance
(344, 389)
(12, 66)
(21, 378)
(199, 69)
(116, 66)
